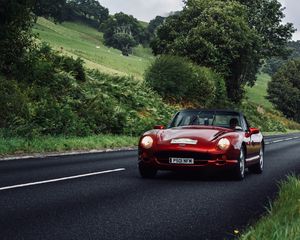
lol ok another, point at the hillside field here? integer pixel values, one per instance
(79, 40)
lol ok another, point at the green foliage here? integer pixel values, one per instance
(13, 107)
(226, 36)
(50, 9)
(154, 24)
(123, 32)
(283, 218)
(177, 79)
(90, 12)
(170, 76)
(17, 145)
(15, 35)
(272, 65)
(265, 121)
(59, 98)
(284, 90)
(132, 107)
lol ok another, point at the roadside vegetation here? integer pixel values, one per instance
(44, 144)
(282, 220)
(88, 80)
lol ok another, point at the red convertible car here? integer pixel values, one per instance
(197, 139)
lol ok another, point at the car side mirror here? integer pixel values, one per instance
(159, 127)
(254, 130)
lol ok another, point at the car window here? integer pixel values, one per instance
(207, 118)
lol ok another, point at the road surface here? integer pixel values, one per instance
(101, 196)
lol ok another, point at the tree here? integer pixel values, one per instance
(284, 90)
(226, 36)
(123, 32)
(153, 26)
(50, 9)
(90, 11)
(15, 35)
(273, 64)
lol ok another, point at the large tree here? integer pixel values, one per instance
(123, 32)
(90, 10)
(284, 90)
(15, 35)
(50, 9)
(226, 35)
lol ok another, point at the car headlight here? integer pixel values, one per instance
(223, 144)
(147, 142)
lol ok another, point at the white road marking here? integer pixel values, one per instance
(282, 140)
(277, 141)
(61, 179)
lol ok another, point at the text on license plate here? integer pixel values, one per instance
(182, 160)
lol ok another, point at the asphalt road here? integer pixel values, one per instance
(54, 198)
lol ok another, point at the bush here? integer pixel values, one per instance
(177, 79)
(13, 104)
(131, 106)
(170, 76)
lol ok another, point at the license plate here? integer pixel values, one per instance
(181, 160)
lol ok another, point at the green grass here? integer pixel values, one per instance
(283, 218)
(257, 94)
(19, 146)
(79, 40)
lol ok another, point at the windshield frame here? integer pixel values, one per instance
(213, 112)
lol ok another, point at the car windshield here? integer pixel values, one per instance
(207, 118)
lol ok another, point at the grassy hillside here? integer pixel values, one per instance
(258, 93)
(77, 39)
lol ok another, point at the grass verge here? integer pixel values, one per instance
(283, 218)
(19, 146)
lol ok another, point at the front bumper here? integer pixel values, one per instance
(161, 160)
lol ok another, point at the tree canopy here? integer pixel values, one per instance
(88, 11)
(123, 32)
(284, 90)
(229, 36)
(15, 35)
(273, 64)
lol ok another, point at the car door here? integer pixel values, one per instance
(252, 140)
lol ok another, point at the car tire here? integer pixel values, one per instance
(147, 172)
(258, 168)
(239, 171)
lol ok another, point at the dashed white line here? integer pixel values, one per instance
(282, 140)
(61, 179)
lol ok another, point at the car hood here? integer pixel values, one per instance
(201, 134)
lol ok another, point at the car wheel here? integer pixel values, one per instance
(239, 171)
(258, 167)
(147, 172)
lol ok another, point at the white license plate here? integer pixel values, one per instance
(182, 160)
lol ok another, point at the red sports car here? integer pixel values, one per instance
(197, 139)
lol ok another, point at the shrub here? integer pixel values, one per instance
(13, 104)
(170, 76)
(177, 79)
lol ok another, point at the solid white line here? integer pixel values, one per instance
(61, 179)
